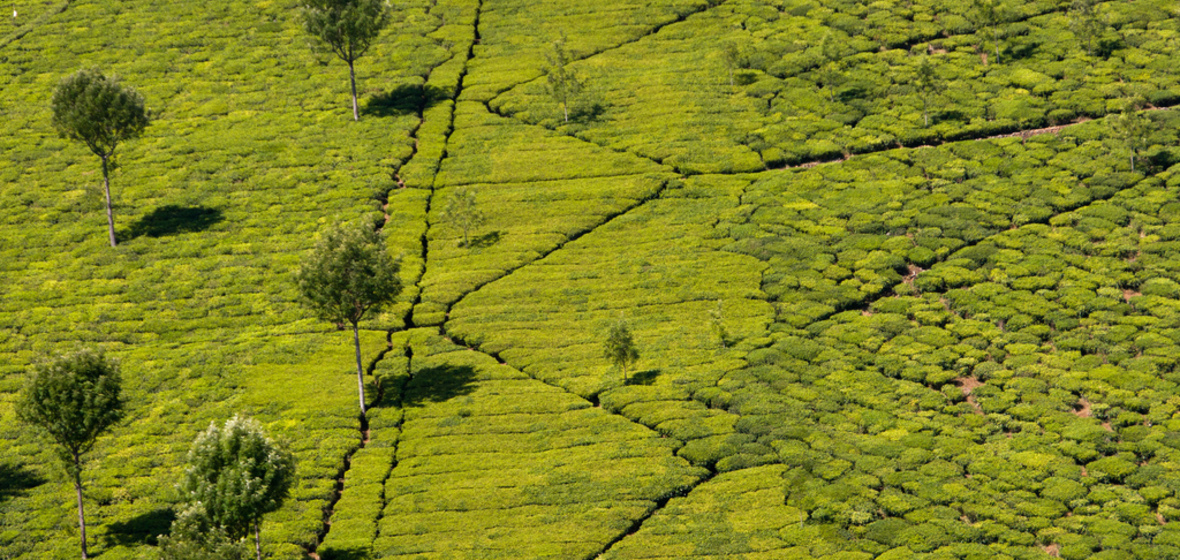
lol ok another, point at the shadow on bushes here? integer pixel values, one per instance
(172, 219)
(486, 240)
(141, 529)
(438, 384)
(405, 99)
(646, 377)
(16, 480)
(349, 553)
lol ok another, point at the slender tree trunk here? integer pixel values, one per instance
(565, 108)
(1132, 163)
(257, 541)
(356, 116)
(106, 182)
(81, 513)
(360, 373)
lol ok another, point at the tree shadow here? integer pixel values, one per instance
(438, 384)
(404, 99)
(172, 219)
(347, 553)
(486, 240)
(141, 529)
(588, 112)
(15, 480)
(645, 377)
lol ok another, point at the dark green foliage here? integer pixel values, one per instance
(1087, 24)
(348, 274)
(99, 112)
(619, 347)
(74, 399)
(347, 28)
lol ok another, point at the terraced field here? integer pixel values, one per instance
(874, 320)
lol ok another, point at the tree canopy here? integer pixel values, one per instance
(346, 275)
(347, 28)
(74, 399)
(100, 112)
(619, 347)
(236, 474)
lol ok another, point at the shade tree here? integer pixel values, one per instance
(564, 85)
(619, 347)
(347, 28)
(235, 475)
(348, 274)
(463, 213)
(101, 113)
(73, 399)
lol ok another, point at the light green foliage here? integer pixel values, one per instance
(204, 306)
(96, 110)
(463, 213)
(348, 28)
(954, 352)
(619, 347)
(493, 463)
(564, 84)
(739, 514)
(235, 475)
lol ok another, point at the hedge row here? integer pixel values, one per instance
(797, 90)
(490, 460)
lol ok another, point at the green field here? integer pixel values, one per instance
(874, 321)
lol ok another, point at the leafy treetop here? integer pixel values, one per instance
(98, 111)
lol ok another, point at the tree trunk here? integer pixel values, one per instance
(565, 108)
(257, 541)
(106, 181)
(360, 372)
(81, 515)
(356, 116)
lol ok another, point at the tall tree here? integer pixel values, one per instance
(463, 213)
(1083, 18)
(346, 275)
(830, 71)
(236, 474)
(1131, 128)
(732, 54)
(927, 83)
(987, 16)
(564, 84)
(99, 112)
(73, 399)
(619, 347)
(348, 28)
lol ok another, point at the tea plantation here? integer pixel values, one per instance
(903, 277)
